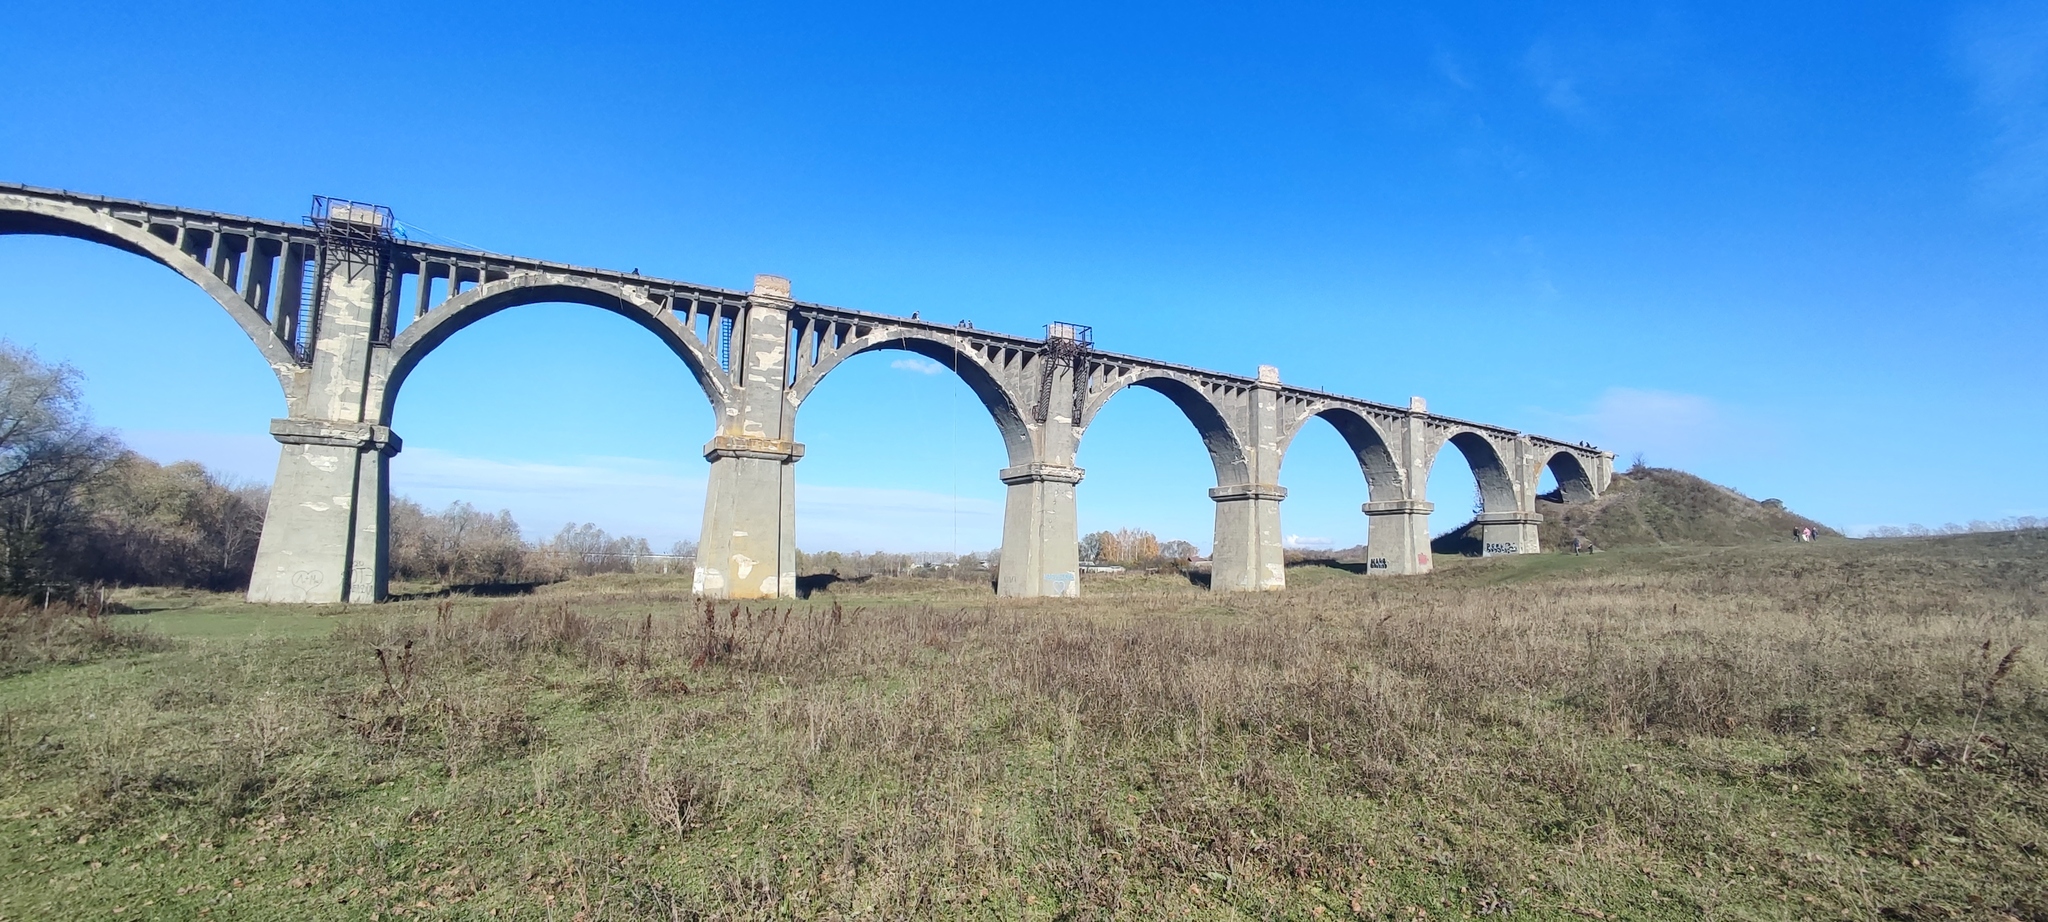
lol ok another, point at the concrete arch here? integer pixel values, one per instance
(27, 216)
(1496, 482)
(1367, 443)
(423, 335)
(1226, 449)
(1004, 407)
(1574, 482)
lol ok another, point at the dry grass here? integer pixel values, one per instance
(34, 634)
(1844, 731)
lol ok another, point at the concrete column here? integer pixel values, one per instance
(1397, 537)
(1041, 531)
(1041, 535)
(325, 535)
(1397, 531)
(1508, 533)
(747, 549)
(1248, 555)
(1514, 532)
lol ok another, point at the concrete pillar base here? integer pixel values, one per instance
(1397, 537)
(1502, 533)
(1041, 536)
(325, 534)
(747, 549)
(1247, 555)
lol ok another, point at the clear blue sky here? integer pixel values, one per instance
(1795, 248)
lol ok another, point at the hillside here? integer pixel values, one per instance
(1656, 506)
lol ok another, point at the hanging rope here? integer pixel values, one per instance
(953, 452)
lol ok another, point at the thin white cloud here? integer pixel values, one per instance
(1669, 429)
(1303, 541)
(2003, 52)
(920, 365)
(1558, 88)
(1449, 67)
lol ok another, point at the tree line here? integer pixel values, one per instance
(78, 507)
(1975, 526)
(1133, 547)
(972, 567)
(464, 546)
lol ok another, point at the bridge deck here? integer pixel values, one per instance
(145, 213)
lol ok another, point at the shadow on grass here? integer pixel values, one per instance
(474, 590)
(812, 582)
(1358, 568)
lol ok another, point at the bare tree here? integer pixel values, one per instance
(48, 447)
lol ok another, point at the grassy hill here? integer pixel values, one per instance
(1654, 506)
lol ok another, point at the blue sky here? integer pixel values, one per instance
(1795, 248)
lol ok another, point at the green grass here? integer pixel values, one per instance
(1785, 732)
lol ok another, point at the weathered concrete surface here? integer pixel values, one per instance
(1248, 555)
(1397, 537)
(1041, 546)
(324, 537)
(1502, 533)
(747, 549)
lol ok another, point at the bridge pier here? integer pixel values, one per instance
(747, 549)
(1041, 534)
(1397, 537)
(1508, 533)
(1248, 555)
(325, 533)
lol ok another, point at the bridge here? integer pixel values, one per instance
(343, 308)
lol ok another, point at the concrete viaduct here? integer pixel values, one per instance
(322, 302)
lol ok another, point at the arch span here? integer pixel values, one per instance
(973, 370)
(423, 335)
(1496, 483)
(20, 215)
(1574, 482)
(1226, 449)
(1367, 443)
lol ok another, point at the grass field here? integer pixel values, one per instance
(1839, 730)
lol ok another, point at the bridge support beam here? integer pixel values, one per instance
(1508, 533)
(747, 549)
(1247, 555)
(1397, 537)
(1041, 534)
